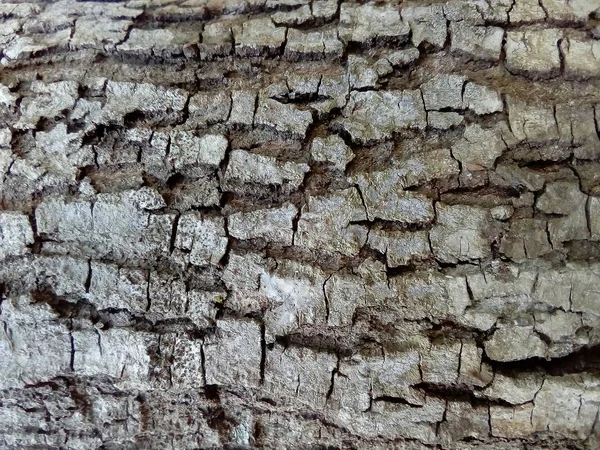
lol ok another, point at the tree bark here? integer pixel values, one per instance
(300, 224)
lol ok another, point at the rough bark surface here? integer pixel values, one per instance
(300, 224)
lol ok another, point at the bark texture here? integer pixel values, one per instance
(300, 224)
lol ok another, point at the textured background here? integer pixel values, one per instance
(300, 224)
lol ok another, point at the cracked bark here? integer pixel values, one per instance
(132, 317)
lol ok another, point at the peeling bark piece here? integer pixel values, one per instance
(375, 116)
(334, 89)
(7, 98)
(566, 199)
(49, 20)
(115, 287)
(344, 293)
(514, 343)
(313, 44)
(532, 122)
(502, 290)
(365, 23)
(63, 220)
(99, 34)
(554, 288)
(444, 120)
(204, 237)
(208, 108)
(34, 345)
(364, 377)
(15, 234)
(479, 147)
(25, 47)
(584, 296)
(423, 167)
(47, 101)
(559, 327)
(162, 42)
(258, 37)
(573, 11)
(589, 174)
(511, 175)
(64, 275)
(281, 117)
(120, 227)
(384, 198)
(510, 423)
(462, 233)
(457, 415)
(481, 99)
(533, 52)
(582, 58)
(123, 98)
(295, 17)
(526, 11)
(325, 223)
(242, 278)
(473, 371)
(217, 40)
(243, 104)
(299, 373)
(225, 365)
(324, 10)
(427, 24)
(477, 42)
(246, 168)
(116, 352)
(561, 197)
(469, 12)
(303, 85)
(501, 280)
(567, 406)
(383, 67)
(443, 91)
(441, 363)
(594, 213)
(403, 57)
(60, 153)
(401, 247)
(273, 225)
(332, 150)
(516, 390)
(387, 418)
(526, 238)
(576, 128)
(295, 292)
(188, 151)
(186, 367)
(360, 73)
(423, 295)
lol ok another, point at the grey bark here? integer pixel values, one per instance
(300, 224)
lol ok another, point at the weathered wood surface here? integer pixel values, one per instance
(300, 224)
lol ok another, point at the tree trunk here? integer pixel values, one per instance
(297, 224)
